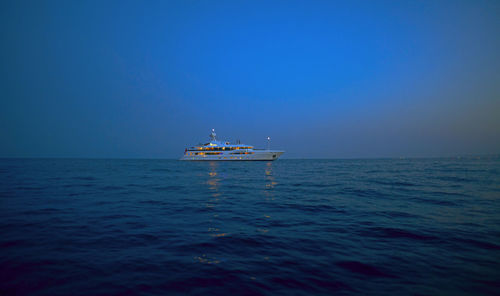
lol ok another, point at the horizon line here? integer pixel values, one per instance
(496, 155)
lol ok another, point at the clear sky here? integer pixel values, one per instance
(323, 79)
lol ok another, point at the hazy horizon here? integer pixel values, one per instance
(325, 80)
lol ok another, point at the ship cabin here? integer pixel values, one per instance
(217, 148)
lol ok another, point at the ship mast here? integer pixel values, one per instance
(212, 135)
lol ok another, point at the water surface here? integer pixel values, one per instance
(301, 227)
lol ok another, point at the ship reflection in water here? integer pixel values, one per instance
(269, 195)
(213, 202)
(214, 226)
(218, 222)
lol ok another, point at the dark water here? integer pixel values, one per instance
(290, 227)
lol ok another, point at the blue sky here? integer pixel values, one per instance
(324, 79)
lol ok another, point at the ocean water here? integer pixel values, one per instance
(289, 227)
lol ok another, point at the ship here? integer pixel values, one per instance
(225, 151)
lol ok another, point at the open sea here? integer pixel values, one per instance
(289, 227)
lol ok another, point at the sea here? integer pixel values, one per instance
(288, 227)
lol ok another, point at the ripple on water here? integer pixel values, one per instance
(364, 269)
(385, 232)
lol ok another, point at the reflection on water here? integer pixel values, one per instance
(270, 181)
(213, 181)
(268, 192)
(216, 225)
(203, 259)
(214, 184)
(213, 229)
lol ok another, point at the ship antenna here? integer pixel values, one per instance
(268, 143)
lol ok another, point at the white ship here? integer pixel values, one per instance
(223, 150)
